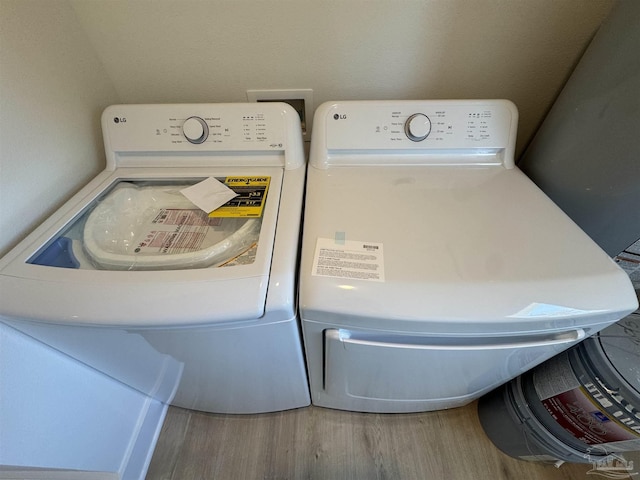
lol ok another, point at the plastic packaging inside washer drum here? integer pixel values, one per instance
(157, 228)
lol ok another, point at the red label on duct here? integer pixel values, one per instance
(579, 415)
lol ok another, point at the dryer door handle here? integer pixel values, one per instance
(456, 343)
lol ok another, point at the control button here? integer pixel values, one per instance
(417, 127)
(195, 129)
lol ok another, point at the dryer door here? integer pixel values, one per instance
(401, 373)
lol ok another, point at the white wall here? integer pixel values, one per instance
(52, 90)
(213, 51)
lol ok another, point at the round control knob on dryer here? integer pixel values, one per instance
(417, 127)
(195, 129)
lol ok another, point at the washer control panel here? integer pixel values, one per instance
(197, 127)
(452, 124)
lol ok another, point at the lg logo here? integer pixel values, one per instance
(120, 120)
(339, 116)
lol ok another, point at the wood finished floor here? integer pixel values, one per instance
(317, 443)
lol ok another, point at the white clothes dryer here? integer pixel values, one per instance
(432, 269)
(130, 277)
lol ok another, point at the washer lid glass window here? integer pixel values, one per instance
(151, 225)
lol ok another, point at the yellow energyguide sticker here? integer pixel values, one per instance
(252, 195)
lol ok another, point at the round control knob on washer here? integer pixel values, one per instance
(417, 127)
(195, 129)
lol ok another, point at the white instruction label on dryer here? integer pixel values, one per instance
(348, 259)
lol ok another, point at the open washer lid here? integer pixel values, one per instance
(155, 227)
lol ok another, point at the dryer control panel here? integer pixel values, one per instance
(451, 124)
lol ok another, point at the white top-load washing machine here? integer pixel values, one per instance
(432, 269)
(134, 279)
